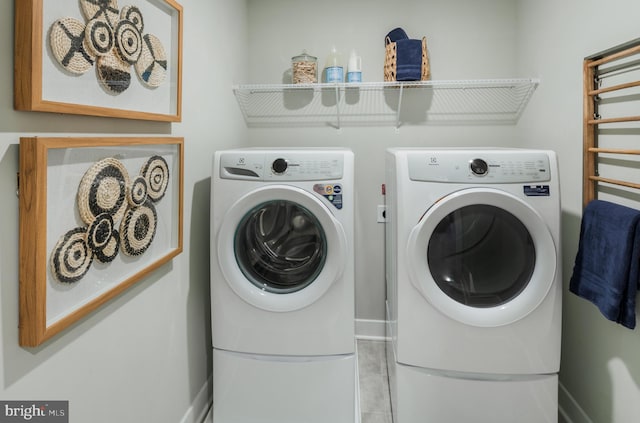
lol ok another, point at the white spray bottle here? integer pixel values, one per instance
(354, 70)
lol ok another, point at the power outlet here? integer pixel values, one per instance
(382, 214)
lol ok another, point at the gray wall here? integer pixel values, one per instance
(146, 356)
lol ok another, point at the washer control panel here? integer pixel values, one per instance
(275, 165)
(490, 166)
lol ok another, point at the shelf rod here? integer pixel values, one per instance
(618, 69)
(615, 182)
(614, 120)
(614, 88)
(613, 151)
(620, 55)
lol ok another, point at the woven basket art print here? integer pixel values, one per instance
(112, 39)
(119, 213)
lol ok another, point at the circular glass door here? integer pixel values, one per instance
(280, 248)
(482, 257)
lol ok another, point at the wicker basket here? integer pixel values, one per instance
(390, 61)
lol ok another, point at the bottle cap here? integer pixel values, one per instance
(333, 59)
(355, 62)
(304, 57)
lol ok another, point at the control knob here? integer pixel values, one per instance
(478, 167)
(279, 166)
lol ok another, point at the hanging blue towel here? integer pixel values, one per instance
(607, 265)
(408, 60)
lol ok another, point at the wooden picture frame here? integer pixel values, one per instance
(94, 79)
(97, 215)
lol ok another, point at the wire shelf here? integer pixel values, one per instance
(334, 105)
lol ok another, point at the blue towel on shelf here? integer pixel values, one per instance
(395, 35)
(408, 60)
(607, 265)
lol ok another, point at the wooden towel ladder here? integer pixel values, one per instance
(593, 74)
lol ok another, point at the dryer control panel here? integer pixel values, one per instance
(281, 165)
(486, 167)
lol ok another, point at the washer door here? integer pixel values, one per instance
(280, 248)
(482, 257)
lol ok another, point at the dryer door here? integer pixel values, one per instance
(482, 257)
(280, 248)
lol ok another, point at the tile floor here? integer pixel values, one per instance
(375, 403)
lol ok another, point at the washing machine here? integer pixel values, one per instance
(473, 284)
(282, 286)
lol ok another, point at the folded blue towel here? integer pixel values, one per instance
(408, 55)
(408, 60)
(395, 35)
(607, 265)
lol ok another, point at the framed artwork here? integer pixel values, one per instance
(99, 58)
(96, 216)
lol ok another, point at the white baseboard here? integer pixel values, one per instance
(569, 411)
(201, 405)
(370, 329)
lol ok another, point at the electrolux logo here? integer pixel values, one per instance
(34, 411)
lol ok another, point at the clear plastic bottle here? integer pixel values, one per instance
(354, 69)
(334, 72)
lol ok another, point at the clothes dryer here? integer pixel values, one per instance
(282, 285)
(473, 284)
